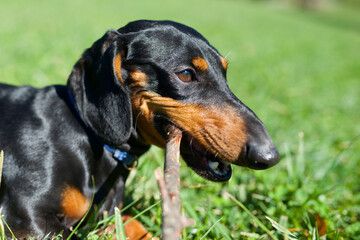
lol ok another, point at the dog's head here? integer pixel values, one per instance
(150, 75)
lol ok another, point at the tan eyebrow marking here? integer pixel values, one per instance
(200, 63)
(117, 67)
(224, 62)
(138, 79)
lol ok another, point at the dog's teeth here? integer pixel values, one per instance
(220, 172)
(213, 165)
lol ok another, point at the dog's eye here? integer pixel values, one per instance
(185, 76)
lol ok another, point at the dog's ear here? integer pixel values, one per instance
(99, 92)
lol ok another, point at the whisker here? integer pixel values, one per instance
(201, 129)
(207, 150)
(191, 148)
(192, 139)
(137, 118)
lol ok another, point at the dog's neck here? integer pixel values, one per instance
(136, 145)
(127, 152)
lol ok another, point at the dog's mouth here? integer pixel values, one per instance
(202, 162)
(196, 156)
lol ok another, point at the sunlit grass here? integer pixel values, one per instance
(299, 71)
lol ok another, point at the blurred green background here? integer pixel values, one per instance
(296, 63)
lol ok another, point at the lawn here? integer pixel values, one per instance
(298, 70)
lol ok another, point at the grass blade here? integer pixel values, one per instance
(120, 232)
(3, 220)
(208, 231)
(300, 159)
(2, 229)
(281, 229)
(129, 205)
(289, 161)
(142, 212)
(261, 225)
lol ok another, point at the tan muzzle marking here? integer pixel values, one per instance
(219, 131)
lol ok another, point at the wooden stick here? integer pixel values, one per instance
(172, 221)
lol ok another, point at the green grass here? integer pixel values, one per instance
(299, 71)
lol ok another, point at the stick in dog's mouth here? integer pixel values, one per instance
(172, 221)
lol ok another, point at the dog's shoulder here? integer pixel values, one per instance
(29, 111)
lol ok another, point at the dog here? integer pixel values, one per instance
(123, 94)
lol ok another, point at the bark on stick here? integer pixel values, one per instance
(172, 221)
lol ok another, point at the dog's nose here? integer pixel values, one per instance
(262, 156)
(258, 151)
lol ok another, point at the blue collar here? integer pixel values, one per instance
(122, 156)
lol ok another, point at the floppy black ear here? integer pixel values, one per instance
(99, 91)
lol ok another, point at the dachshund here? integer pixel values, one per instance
(123, 94)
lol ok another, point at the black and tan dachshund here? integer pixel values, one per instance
(121, 97)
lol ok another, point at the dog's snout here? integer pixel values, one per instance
(259, 151)
(262, 156)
